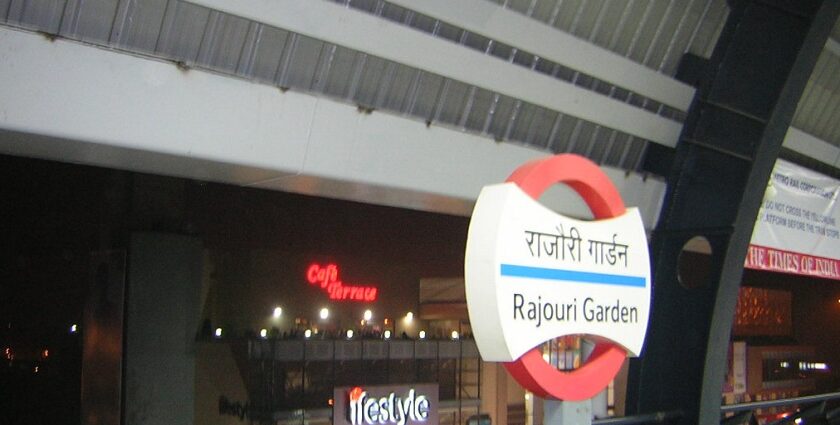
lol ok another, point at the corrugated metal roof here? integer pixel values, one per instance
(199, 37)
(516, 55)
(654, 33)
(818, 111)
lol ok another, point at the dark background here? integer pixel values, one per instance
(54, 215)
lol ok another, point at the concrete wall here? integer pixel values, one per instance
(494, 382)
(216, 375)
(164, 284)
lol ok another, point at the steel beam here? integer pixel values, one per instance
(723, 160)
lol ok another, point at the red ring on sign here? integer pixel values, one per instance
(596, 189)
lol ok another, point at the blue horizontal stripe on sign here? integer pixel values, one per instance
(513, 270)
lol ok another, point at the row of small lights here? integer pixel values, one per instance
(324, 314)
(350, 333)
(806, 366)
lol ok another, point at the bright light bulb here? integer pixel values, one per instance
(324, 313)
(264, 333)
(409, 317)
(422, 334)
(387, 334)
(368, 315)
(349, 333)
(74, 328)
(455, 335)
(218, 332)
(307, 333)
(277, 312)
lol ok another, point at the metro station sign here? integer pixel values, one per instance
(533, 275)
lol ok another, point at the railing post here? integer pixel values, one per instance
(558, 412)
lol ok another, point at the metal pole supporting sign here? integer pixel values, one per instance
(533, 275)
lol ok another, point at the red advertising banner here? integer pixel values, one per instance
(776, 260)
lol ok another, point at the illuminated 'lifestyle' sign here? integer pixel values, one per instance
(399, 405)
(327, 278)
(533, 275)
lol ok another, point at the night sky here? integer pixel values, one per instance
(54, 215)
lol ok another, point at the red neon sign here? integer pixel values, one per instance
(327, 278)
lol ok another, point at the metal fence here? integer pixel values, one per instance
(812, 410)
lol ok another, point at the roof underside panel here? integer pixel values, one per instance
(654, 33)
(195, 36)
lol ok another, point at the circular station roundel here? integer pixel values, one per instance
(532, 275)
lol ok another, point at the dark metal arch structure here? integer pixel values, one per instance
(747, 95)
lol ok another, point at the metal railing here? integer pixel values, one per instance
(813, 410)
(650, 418)
(779, 403)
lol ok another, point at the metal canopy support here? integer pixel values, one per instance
(723, 160)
